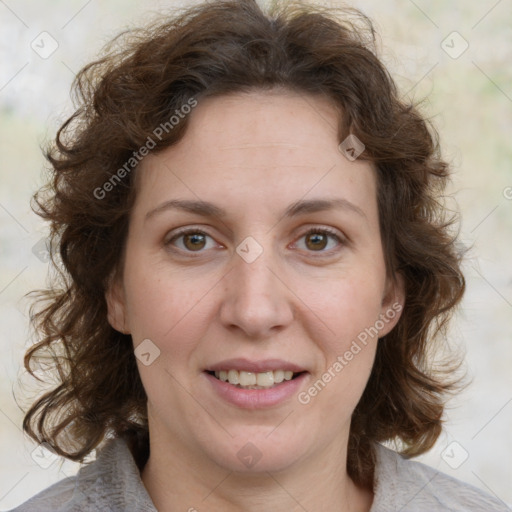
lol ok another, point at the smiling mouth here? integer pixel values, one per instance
(253, 380)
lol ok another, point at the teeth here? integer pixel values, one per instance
(233, 376)
(247, 378)
(251, 380)
(278, 376)
(265, 380)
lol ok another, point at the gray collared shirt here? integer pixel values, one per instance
(112, 483)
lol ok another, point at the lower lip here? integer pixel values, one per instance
(256, 398)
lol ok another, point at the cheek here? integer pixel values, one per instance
(168, 308)
(350, 309)
(343, 307)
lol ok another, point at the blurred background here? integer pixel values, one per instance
(455, 54)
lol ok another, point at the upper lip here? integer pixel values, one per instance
(261, 366)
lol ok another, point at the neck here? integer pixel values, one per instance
(179, 479)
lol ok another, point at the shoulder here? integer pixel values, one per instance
(111, 483)
(409, 486)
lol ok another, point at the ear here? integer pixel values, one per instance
(116, 305)
(393, 302)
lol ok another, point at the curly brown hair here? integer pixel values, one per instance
(145, 75)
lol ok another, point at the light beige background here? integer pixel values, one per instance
(469, 100)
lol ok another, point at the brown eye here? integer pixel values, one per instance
(322, 240)
(194, 241)
(191, 240)
(316, 241)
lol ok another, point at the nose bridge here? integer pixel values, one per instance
(256, 301)
(254, 277)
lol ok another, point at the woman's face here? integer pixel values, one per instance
(281, 271)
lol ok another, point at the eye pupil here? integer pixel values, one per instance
(194, 241)
(316, 241)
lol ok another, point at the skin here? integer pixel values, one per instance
(253, 155)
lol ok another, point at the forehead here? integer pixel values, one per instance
(270, 146)
(263, 124)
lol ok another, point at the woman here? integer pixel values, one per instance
(255, 269)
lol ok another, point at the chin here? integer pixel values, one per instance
(256, 454)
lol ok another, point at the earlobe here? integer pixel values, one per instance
(116, 307)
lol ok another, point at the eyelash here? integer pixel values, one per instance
(314, 230)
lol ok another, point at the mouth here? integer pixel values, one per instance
(254, 380)
(255, 384)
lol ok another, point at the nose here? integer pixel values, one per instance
(256, 298)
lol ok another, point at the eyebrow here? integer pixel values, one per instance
(301, 207)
